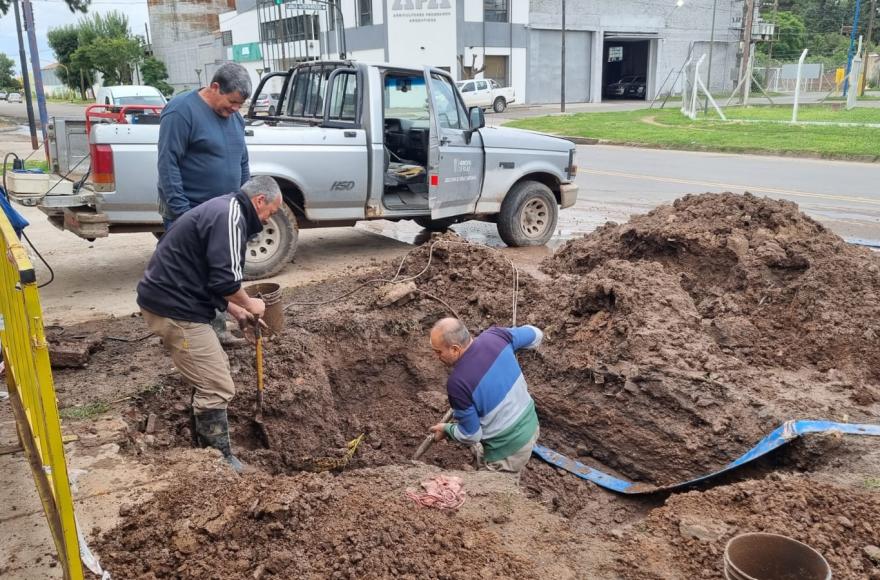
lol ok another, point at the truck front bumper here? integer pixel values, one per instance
(568, 195)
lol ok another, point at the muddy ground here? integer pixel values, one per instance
(673, 343)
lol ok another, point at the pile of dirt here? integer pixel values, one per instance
(686, 537)
(301, 526)
(676, 341)
(773, 287)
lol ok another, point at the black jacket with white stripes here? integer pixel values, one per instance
(200, 259)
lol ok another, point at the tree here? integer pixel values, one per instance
(112, 57)
(7, 73)
(101, 43)
(64, 41)
(791, 36)
(156, 75)
(74, 5)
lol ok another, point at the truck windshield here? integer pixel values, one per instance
(406, 98)
(141, 100)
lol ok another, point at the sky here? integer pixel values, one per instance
(53, 13)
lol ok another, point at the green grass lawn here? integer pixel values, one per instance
(668, 128)
(29, 164)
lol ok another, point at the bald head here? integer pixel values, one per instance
(449, 339)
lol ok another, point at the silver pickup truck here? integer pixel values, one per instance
(348, 142)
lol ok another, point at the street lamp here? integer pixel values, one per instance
(66, 74)
(199, 74)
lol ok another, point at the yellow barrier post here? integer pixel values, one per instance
(32, 395)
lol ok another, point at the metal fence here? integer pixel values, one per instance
(32, 395)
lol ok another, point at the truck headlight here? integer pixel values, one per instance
(572, 169)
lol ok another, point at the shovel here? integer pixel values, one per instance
(259, 426)
(430, 438)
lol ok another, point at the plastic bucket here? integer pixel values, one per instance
(271, 295)
(760, 556)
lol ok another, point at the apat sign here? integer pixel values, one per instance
(421, 5)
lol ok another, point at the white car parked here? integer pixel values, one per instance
(486, 93)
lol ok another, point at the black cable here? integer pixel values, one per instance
(34, 248)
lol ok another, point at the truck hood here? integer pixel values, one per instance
(506, 138)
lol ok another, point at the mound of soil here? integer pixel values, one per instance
(304, 526)
(676, 341)
(686, 537)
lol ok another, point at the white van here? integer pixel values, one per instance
(130, 95)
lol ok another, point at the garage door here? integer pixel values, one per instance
(544, 66)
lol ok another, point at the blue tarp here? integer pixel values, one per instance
(788, 431)
(16, 219)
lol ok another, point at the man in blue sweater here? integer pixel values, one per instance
(490, 400)
(197, 269)
(202, 152)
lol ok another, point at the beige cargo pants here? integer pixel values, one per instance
(197, 354)
(513, 463)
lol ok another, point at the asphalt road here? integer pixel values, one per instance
(617, 181)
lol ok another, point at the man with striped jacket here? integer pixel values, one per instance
(490, 400)
(197, 268)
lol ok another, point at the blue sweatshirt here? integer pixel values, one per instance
(200, 260)
(201, 154)
(489, 395)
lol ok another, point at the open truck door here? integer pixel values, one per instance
(455, 153)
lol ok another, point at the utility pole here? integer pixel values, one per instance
(852, 45)
(38, 77)
(745, 65)
(770, 48)
(869, 44)
(562, 86)
(711, 46)
(25, 79)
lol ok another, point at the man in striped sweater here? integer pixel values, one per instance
(490, 400)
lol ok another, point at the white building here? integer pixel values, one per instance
(516, 42)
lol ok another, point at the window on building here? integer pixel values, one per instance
(331, 15)
(226, 35)
(495, 11)
(496, 68)
(365, 12)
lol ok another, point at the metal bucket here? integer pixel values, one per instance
(271, 295)
(760, 556)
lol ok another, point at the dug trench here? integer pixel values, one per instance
(672, 344)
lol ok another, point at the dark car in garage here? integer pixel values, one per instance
(630, 86)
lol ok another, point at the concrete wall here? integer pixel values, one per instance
(185, 36)
(674, 31)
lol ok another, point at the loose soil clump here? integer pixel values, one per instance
(302, 526)
(686, 537)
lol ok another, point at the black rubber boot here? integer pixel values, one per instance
(213, 429)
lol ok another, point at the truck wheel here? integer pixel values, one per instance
(499, 105)
(528, 215)
(440, 225)
(272, 248)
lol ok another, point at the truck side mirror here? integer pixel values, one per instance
(477, 118)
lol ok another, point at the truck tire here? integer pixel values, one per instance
(272, 248)
(440, 225)
(499, 105)
(528, 215)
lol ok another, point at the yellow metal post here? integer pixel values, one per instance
(32, 393)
